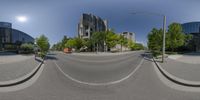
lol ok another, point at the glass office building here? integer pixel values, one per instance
(12, 38)
(193, 28)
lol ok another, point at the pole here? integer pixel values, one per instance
(163, 49)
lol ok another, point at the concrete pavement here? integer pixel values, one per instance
(185, 66)
(11, 58)
(186, 71)
(16, 66)
(144, 84)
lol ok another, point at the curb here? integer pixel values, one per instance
(176, 79)
(23, 78)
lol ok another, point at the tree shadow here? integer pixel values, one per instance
(192, 54)
(7, 54)
(50, 58)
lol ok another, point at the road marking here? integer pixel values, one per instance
(100, 84)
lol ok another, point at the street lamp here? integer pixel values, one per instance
(164, 28)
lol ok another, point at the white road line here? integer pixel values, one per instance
(100, 84)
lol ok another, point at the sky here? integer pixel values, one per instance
(56, 18)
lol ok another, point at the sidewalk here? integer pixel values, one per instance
(17, 68)
(185, 67)
(11, 58)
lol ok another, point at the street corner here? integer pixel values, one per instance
(16, 66)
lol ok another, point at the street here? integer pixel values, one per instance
(143, 84)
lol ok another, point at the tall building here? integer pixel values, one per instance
(90, 23)
(129, 35)
(193, 28)
(12, 38)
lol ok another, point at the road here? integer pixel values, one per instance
(143, 84)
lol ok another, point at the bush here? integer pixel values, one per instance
(41, 54)
(26, 48)
(156, 53)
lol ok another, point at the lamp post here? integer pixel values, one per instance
(164, 29)
(163, 49)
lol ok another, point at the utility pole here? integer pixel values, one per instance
(163, 49)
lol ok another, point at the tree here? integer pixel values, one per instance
(122, 41)
(71, 43)
(176, 37)
(98, 39)
(43, 43)
(138, 46)
(64, 41)
(131, 44)
(111, 39)
(155, 41)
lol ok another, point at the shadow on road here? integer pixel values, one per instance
(7, 54)
(147, 56)
(37, 59)
(50, 58)
(192, 54)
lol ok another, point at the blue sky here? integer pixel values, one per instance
(56, 18)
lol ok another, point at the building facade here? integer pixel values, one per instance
(90, 23)
(193, 28)
(5, 34)
(129, 35)
(12, 38)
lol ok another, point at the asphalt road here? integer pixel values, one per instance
(98, 69)
(144, 84)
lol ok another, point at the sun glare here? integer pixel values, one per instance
(21, 18)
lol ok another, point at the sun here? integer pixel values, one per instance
(21, 18)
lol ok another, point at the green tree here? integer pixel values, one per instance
(64, 41)
(138, 46)
(111, 39)
(43, 43)
(79, 43)
(98, 39)
(131, 44)
(176, 38)
(155, 41)
(71, 43)
(122, 41)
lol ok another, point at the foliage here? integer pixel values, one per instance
(122, 41)
(138, 46)
(64, 41)
(71, 43)
(175, 37)
(43, 43)
(176, 40)
(76, 43)
(111, 39)
(57, 46)
(26, 48)
(131, 44)
(155, 40)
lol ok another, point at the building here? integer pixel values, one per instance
(129, 35)
(90, 23)
(5, 34)
(193, 28)
(11, 39)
